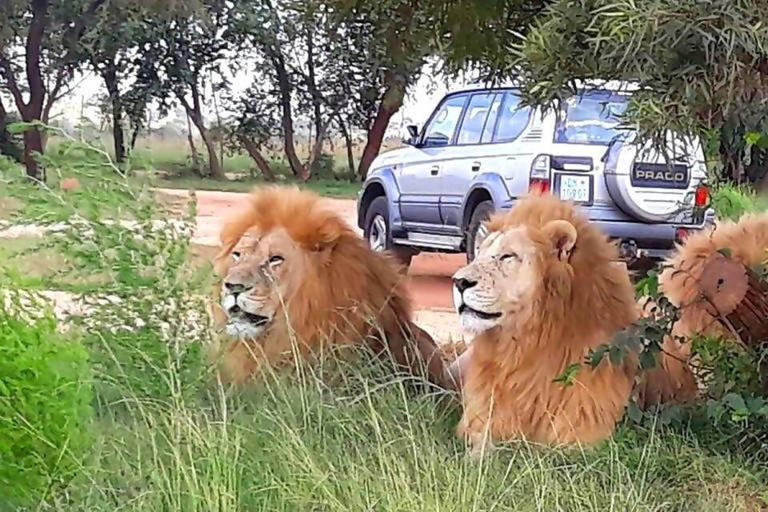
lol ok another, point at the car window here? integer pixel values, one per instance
(439, 131)
(513, 119)
(593, 118)
(474, 119)
(490, 123)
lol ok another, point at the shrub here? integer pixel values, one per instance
(45, 407)
(731, 201)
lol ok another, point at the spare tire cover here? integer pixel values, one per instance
(647, 204)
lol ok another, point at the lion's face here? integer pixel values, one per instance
(261, 276)
(500, 286)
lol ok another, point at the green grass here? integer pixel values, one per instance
(326, 187)
(368, 442)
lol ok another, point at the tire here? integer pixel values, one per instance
(378, 233)
(481, 213)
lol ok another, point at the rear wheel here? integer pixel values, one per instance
(378, 234)
(476, 231)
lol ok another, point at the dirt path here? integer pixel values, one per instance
(428, 278)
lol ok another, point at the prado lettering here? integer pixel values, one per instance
(660, 175)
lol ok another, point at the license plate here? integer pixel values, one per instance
(575, 188)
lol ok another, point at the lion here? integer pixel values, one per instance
(544, 289)
(747, 242)
(297, 280)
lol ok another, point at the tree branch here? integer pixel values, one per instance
(53, 96)
(13, 86)
(32, 57)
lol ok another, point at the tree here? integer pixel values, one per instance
(701, 68)
(255, 124)
(388, 43)
(108, 50)
(266, 35)
(40, 37)
(178, 55)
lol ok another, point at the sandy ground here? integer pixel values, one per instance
(428, 278)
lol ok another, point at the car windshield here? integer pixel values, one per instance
(591, 118)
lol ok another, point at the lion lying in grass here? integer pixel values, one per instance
(297, 279)
(544, 290)
(747, 242)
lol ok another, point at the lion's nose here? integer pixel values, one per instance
(462, 284)
(236, 287)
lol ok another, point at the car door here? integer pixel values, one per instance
(503, 147)
(420, 177)
(465, 159)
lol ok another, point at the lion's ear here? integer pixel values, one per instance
(563, 236)
(326, 233)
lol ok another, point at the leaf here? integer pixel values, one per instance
(568, 377)
(596, 356)
(634, 413)
(647, 360)
(737, 405)
(725, 252)
(616, 355)
(19, 127)
(752, 137)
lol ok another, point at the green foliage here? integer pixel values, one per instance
(689, 79)
(731, 201)
(45, 405)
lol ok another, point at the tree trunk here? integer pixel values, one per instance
(192, 147)
(261, 162)
(317, 150)
(33, 109)
(195, 112)
(217, 171)
(118, 135)
(289, 145)
(731, 149)
(390, 104)
(316, 106)
(7, 144)
(350, 146)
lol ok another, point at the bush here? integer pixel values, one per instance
(731, 201)
(45, 407)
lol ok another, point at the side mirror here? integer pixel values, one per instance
(413, 132)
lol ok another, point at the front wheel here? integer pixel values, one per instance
(378, 234)
(476, 231)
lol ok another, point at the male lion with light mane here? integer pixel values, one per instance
(544, 289)
(297, 279)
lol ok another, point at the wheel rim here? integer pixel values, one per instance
(482, 232)
(377, 238)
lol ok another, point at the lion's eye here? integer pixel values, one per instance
(509, 256)
(275, 261)
(236, 255)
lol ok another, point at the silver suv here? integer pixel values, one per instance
(481, 150)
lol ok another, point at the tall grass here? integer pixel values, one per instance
(369, 442)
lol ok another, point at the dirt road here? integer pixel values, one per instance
(428, 277)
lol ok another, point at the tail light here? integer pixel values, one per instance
(702, 196)
(540, 176)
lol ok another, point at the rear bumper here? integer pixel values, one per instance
(654, 241)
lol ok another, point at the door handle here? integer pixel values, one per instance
(475, 166)
(435, 170)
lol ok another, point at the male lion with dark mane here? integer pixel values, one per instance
(545, 288)
(297, 279)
